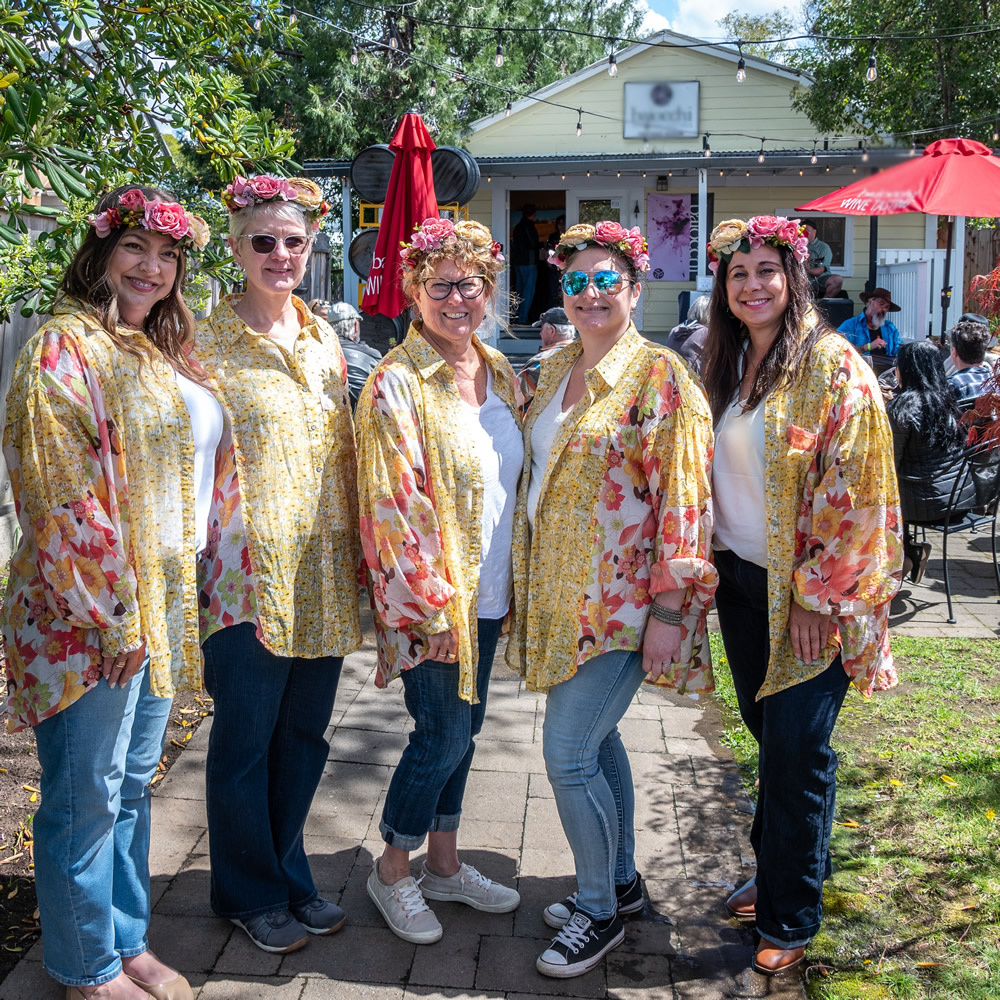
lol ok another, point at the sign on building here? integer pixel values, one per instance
(661, 110)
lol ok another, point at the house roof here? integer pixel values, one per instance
(668, 38)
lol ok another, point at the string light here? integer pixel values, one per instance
(760, 155)
(619, 173)
(499, 58)
(257, 22)
(579, 122)
(588, 173)
(871, 74)
(292, 16)
(612, 61)
(814, 159)
(864, 155)
(434, 87)
(741, 66)
(706, 148)
(354, 55)
(507, 110)
(393, 37)
(913, 145)
(996, 132)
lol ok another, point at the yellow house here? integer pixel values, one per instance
(674, 143)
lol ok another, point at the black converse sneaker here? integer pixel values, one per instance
(579, 946)
(629, 896)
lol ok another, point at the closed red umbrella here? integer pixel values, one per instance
(952, 177)
(409, 200)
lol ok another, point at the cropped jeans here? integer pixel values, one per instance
(92, 829)
(427, 788)
(266, 754)
(797, 766)
(589, 771)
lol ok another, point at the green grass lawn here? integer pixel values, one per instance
(913, 908)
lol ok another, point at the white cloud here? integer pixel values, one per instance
(700, 19)
(652, 21)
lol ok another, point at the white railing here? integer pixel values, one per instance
(917, 276)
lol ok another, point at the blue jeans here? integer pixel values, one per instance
(526, 276)
(798, 767)
(589, 772)
(266, 754)
(92, 829)
(427, 788)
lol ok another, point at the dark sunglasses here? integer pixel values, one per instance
(265, 243)
(609, 282)
(468, 288)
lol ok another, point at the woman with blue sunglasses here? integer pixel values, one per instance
(618, 438)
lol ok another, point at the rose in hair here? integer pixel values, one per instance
(432, 234)
(132, 201)
(610, 232)
(106, 221)
(267, 188)
(166, 217)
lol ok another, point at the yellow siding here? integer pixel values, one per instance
(760, 106)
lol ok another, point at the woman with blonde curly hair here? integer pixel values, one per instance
(279, 608)
(611, 558)
(439, 448)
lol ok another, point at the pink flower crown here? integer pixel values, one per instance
(629, 243)
(735, 234)
(246, 191)
(433, 234)
(135, 211)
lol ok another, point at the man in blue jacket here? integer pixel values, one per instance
(872, 332)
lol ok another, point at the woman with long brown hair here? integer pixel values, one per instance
(111, 440)
(807, 545)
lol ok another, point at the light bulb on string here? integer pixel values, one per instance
(706, 148)
(871, 74)
(292, 16)
(913, 145)
(257, 22)
(741, 66)
(996, 132)
(393, 37)
(499, 57)
(814, 159)
(864, 155)
(612, 61)
(507, 110)
(434, 88)
(579, 122)
(354, 55)
(760, 155)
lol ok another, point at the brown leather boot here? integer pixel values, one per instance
(771, 959)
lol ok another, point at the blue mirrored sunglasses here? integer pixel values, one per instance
(609, 282)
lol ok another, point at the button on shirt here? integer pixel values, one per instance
(283, 548)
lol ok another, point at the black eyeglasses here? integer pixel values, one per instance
(609, 282)
(265, 243)
(469, 288)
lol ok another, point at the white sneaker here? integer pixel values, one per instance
(404, 908)
(470, 887)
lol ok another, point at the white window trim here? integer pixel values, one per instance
(847, 270)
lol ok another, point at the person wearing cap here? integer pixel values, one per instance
(556, 331)
(871, 332)
(361, 358)
(320, 308)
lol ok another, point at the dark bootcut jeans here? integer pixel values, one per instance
(266, 754)
(426, 791)
(798, 768)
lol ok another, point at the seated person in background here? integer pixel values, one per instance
(688, 338)
(871, 332)
(556, 332)
(928, 441)
(823, 282)
(968, 358)
(320, 307)
(361, 358)
(949, 365)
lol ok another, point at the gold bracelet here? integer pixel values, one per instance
(666, 615)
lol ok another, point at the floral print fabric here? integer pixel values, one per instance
(101, 461)
(421, 498)
(283, 549)
(625, 513)
(834, 532)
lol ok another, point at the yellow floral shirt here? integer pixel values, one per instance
(101, 460)
(834, 530)
(420, 487)
(283, 542)
(625, 513)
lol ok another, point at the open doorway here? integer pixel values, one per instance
(537, 220)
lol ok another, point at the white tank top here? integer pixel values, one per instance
(206, 424)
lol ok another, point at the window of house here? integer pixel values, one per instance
(837, 231)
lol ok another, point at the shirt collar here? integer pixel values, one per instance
(427, 361)
(68, 305)
(231, 327)
(615, 363)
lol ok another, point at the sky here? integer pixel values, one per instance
(698, 17)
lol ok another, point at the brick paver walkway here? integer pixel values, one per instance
(692, 823)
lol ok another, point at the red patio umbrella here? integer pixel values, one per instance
(952, 177)
(409, 200)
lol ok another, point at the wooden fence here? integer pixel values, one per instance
(982, 254)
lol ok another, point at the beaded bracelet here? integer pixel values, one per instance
(666, 615)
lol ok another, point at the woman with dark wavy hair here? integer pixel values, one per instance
(808, 552)
(111, 444)
(927, 441)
